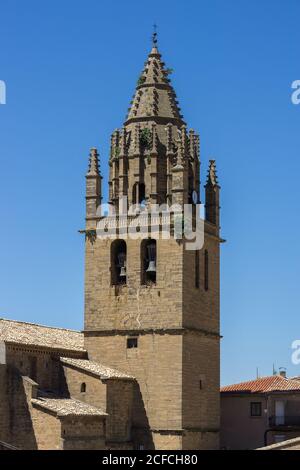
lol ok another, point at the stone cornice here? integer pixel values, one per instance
(147, 331)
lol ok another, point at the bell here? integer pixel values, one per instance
(122, 259)
(123, 271)
(122, 265)
(151, 268)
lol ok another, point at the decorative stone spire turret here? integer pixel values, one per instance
(93, 169)
(212, 195)
(212, 179)
(154, 140)
(93, 186)
(155, 98)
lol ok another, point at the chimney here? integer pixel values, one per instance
(282, 372)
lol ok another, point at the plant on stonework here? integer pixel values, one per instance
(169, 71)
(91, 235)
(117, 152)
(146, 138)
(141, 80)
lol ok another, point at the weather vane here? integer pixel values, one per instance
(154, 35)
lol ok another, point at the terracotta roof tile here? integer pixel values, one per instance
(264, 385)
(31, 334)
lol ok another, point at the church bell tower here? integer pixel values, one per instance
(152, 305)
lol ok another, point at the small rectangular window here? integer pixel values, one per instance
(132, 343)
(255, 408)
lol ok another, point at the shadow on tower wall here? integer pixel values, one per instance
(141, 432)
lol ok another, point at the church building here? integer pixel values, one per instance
(144, 372)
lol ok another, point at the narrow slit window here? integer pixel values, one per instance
(197, 270)
(206, 270)
(83, 387)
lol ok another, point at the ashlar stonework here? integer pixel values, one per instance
(144, 372)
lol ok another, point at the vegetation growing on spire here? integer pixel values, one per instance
(141, 80)
(117, 152)
(146, 138)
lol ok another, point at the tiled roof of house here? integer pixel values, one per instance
(95, 368)
(31, 334)
(67, 407)
(273, 383)
(289, 444)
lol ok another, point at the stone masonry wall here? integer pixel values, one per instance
(95, 394)
(3, 403)
(119, 409)
(156, 364)
(47, 429)
(114, 396)
(156, 315)
(201, 307)
(133, 306)
(40, 364)
(83, 433)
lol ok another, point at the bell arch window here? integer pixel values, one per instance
(118, 262)
(148, 262)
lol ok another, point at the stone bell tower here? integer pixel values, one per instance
(151, 305)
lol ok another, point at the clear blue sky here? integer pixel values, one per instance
(70, 68)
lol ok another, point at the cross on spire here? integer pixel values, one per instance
(154, 35)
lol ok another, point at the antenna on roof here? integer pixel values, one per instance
(257, 376)
(274, 370)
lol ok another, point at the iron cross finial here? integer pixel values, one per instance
(154, 35)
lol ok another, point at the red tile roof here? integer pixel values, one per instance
(264, 385)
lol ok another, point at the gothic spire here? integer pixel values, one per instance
(93, 169)
(154, 98)
(212, 179)
(93, 194)
(212, 195)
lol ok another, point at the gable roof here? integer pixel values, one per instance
(32, 334)
(94, 368)
(274, 383)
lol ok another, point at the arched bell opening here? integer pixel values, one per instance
(118, 262)
(149, 262)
